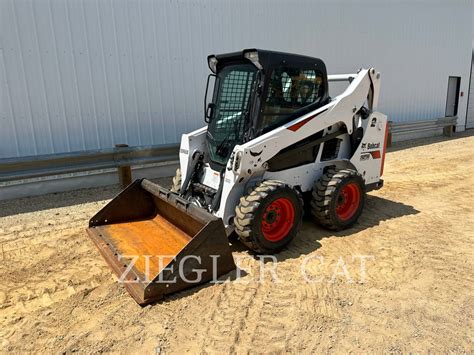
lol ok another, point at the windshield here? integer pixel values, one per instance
(232, 99)
(291, 89)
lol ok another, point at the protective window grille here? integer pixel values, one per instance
(293, 87)
(286, 82)
(308, 87)
(233, 103)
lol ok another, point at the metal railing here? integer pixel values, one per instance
(124, 157)
(399, 128)
(425, 125)
(55, 164)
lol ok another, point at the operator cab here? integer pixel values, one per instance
(256, 91)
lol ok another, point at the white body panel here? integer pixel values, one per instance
(254, 155)
(369, 156)
(190, 143)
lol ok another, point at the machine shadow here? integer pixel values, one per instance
(377, 209)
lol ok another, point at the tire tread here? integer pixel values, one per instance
(246, 209)
(324, 192)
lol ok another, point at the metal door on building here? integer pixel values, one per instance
(470, 103)
(453, 96)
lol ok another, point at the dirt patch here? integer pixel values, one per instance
(415, 294)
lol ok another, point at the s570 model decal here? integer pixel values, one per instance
(375, 155)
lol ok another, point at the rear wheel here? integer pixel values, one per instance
(269, 217)
(338, 199)
(176, 186)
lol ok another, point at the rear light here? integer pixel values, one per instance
(384, 148)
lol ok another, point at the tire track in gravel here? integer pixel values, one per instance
(229, 316)
(271, 316)
(58, 258)
(276, 319)
(18, 250)
(51, 279)
(34, 229)
(29, 238)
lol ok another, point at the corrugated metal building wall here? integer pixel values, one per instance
(86, 74)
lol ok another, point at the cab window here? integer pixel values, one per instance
(232, 94)
(291, 89)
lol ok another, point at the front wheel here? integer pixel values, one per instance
(269, 217)
(338, 199)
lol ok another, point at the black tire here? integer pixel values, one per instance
(176, 186)
(260, 217)
(334, 203)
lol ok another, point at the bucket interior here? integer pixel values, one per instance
(147, 240)
(153, 240)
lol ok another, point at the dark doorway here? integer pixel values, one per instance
(452, 99)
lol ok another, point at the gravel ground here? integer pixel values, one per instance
(415, 294)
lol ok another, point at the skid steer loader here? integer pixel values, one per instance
(274, 145)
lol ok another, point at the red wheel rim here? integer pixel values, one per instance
(348, 201)
(277, 220)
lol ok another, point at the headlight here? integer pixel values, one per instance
(212, 62)
(253, 57)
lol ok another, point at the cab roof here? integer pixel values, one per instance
(268, 59)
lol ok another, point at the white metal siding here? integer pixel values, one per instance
(86, 74)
